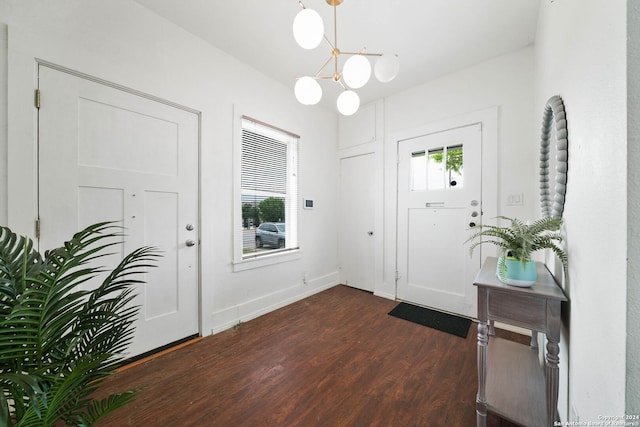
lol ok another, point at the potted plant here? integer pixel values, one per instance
(58, 342)
(517, 243)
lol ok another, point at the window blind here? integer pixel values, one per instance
(269, 187)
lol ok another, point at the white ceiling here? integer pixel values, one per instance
(431, 37)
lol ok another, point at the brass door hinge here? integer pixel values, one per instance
(37, 99)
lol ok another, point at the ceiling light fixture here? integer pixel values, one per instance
(308, 31)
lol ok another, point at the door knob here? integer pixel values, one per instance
(190, 242)
(472, 224)
(189, 227)
(370, 233)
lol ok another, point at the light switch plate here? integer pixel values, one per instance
(515, 199)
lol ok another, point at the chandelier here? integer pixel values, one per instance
(308, 31)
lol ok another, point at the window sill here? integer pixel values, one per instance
(266, 260)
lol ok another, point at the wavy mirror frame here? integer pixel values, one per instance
(552, 204)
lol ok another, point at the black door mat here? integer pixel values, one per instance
(449, 323)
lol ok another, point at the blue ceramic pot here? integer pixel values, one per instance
(516, 273)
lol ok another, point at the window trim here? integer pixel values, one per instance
(239, 263)
(266, 260)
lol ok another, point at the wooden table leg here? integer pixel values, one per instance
(481, 397)
(534, 340)
(551, 370)
(552, 374)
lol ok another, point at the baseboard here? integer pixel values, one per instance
(231, 316)
(384, 295)
(138, 361)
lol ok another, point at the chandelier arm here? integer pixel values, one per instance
(329, 41)
(362, 53)
(323, 66)
(335, 24)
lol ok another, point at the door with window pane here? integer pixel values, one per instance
(439, 196)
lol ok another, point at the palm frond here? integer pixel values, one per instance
(28, 386)
(57, 340)
(98, 409)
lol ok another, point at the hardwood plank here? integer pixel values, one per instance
(333, 359)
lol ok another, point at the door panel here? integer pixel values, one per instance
(109, 155)
(427, 262)
(439, 186)
(126, 148)
(356, 222)
(161, 221)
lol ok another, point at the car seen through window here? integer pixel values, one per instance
(271, 234)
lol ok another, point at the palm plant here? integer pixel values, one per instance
(521, 240)
(58, 342)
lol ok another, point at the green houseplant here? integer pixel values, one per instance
(517, 243)
(58, 341)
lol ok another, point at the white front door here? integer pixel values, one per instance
(356, 223)
(439, 195)
(106, 154)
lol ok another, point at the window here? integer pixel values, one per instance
(418, 171)
(269, 189)
(429, 171)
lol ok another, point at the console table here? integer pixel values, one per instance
(511, 381)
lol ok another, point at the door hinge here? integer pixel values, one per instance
(37, 99)
(38, 228)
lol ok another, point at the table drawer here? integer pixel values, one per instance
(520, 310)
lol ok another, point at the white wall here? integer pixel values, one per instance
(3, 116)
(580, 54)
(124, 43)
(633, 207)
(504, 83)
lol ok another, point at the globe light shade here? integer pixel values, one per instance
(348, 102)
(308, 91)
(356, 71)
(308, 28)
(386, 68)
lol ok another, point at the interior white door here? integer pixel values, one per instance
(356, 221)
(109, 155)
(439, 196)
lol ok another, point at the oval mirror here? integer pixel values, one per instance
(553, 158)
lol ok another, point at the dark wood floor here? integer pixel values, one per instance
(333, 359)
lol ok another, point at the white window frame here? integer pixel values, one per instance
(241, 263)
